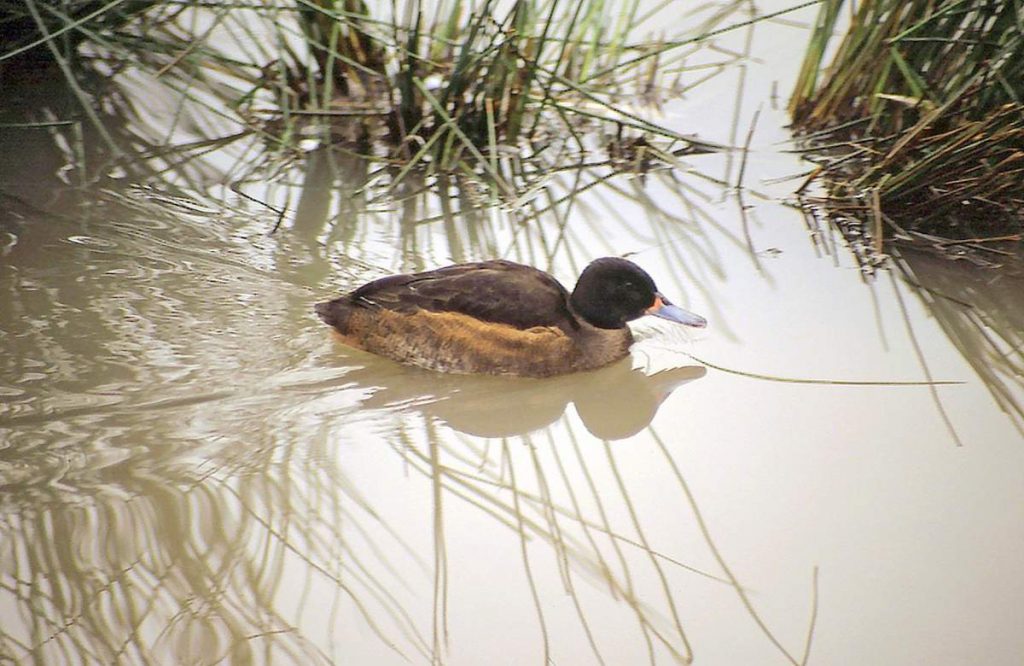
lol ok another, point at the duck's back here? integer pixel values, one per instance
(493, 317)
(497, 291)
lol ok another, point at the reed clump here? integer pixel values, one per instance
(445, 85)
(454, 81)
(918, 121)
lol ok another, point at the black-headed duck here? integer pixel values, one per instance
(501, 318)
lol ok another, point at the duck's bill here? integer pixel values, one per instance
(666, 310)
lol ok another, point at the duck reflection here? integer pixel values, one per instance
(614, 402)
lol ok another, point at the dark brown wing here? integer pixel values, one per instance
(495, 291)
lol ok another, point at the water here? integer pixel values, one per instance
(194, 471)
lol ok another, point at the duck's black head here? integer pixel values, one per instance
(612, 291)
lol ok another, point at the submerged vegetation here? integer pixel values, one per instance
(918, 122)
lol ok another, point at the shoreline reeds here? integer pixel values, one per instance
(917, 123)
(449, 86)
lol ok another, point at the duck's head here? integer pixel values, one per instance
(612, 291)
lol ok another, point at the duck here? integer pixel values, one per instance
(499, 317)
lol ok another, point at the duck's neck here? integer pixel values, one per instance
(601, 346)
(594, 314)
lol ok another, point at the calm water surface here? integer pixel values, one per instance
(193, 471)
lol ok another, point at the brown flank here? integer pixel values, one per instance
(459, 343)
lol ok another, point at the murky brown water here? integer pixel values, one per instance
(192, 470)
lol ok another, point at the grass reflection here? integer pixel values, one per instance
(265, 546)
(232, 525)
(979, 309)
(554, 489)
(145, 568)
(513, 485)
(229, 524)
(166, 502)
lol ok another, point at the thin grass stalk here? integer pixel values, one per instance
(807, 79)
(453, 126)
(68, 28)
(409, 111)
(459, 80)
(69, 76)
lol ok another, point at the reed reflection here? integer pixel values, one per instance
(244, 529)
(125, 550)
(182, 485)
(981, 310)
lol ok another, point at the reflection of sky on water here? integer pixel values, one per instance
(193, 468)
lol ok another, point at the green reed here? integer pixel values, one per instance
(464, 77)
(922, 106)
(444, 82)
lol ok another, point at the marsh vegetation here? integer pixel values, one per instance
(918, 119)
(191, 472)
